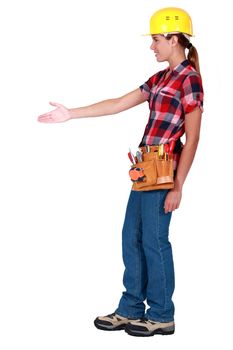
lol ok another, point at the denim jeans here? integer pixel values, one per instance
(147, 256)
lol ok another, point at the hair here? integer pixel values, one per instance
(192, 54)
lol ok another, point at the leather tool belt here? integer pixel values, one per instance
(152, 168)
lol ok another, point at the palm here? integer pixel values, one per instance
(60, 114)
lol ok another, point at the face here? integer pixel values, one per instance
(161, 47)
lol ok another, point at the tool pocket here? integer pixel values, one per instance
(164, 171)
(143, 173)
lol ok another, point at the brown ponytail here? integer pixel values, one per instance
(192, 54)
(193, 58)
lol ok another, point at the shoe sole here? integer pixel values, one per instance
(148, 334)
(110, 328)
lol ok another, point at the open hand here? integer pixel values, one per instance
(60, 114)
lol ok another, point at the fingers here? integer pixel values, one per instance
(44, 115)
(168, 209)
(172, 201)
(45, 118)
(170, 206)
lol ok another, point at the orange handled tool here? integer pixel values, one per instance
(131, 157)
(171, 146)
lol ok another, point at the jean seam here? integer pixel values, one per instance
(126, 309)
(138, 263)
(160, 252)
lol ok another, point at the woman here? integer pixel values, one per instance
(175, 97)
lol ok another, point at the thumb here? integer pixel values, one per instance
(55, 104)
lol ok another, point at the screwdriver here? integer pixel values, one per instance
(166, 148)
(131, 157)
(139, 156)
(161, 151)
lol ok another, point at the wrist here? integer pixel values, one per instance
(178, 185)
(72, 113)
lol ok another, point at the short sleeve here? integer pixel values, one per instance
(192, 93)
(146, 87)
(145, 90)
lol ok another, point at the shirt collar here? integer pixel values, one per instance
(179, 68)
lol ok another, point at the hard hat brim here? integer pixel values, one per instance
(168, 33)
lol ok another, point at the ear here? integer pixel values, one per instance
(174, 40)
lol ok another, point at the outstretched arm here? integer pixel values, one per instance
(106, 107)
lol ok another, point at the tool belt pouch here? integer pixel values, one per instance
(152, 173)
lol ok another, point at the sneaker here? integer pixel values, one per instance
(147, 328)
(112, 322)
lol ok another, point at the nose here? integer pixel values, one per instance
(152, 47)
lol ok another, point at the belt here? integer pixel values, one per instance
(149, 148)
(155, 148)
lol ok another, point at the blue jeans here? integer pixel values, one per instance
(147, 256)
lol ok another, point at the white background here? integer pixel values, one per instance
(63, 203)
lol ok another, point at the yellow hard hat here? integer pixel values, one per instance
(171, 20)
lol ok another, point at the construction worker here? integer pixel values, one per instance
(175, 97)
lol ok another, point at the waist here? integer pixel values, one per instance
(149, 148)
(155, 148)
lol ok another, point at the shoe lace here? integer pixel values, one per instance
(145, 321)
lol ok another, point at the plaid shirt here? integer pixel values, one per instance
(169, 101)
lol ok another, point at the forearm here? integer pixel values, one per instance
(106, 107)
(111, 106)
(185, 162)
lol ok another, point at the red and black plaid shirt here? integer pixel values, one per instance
(170, 100)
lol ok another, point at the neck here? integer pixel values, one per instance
(174, 61)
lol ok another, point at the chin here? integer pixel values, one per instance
(160, 59)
